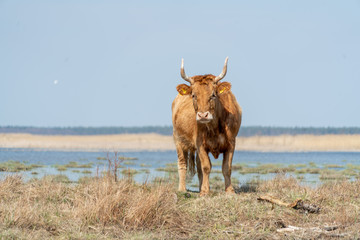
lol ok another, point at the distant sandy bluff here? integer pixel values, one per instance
(156, 142)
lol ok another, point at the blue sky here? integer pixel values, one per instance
(117, 63)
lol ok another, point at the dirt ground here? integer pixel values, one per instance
(156, 142)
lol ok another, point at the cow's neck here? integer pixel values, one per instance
(212, 135)
(215, 127)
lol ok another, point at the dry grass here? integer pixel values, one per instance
(100, 208)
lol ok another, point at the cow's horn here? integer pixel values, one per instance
(222, 75)
(182, 71)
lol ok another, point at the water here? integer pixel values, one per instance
(148, 162)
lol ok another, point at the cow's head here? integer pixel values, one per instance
(205, 91)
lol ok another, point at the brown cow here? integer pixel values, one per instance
(206, 118)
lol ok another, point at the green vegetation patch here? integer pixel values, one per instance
(267, 168)
(239, 166)
(330, 174)
(129, 172)
(308, 170)
(145, 165)
(120, 158)
(60, 178)
(147, 171)
(167, 169)
(127, 158)
(174, 164)
(16, 166)
(217, 163)
(350, 172)
(353, 166)
(61, 168)
(333, 166)
(312, 164)
(128, 163)
(76, 165)
(72, 165)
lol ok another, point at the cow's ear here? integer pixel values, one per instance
(223, 87)
(183, 89)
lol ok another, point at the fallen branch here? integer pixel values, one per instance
(312, 229)
(297, 204)
(324, 231)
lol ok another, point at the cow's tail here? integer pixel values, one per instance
(191, 163)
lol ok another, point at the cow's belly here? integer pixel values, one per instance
(216, 145)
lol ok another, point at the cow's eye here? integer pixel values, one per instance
(213, 96)
(193, 96)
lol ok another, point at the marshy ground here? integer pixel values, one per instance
(102, 205)
(100, 208)
(307, 173)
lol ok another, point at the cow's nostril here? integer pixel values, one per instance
(206, 115)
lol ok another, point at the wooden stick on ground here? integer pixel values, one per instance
(297, 204)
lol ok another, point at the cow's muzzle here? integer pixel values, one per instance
(204, 117)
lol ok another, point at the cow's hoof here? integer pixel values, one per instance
(203, 193)
(230, 190)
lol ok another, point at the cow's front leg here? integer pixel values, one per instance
(182, 167)
(205, 169)
(226, 170)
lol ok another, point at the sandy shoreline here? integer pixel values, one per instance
(156, 142)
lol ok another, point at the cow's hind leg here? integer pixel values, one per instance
(199, 171)
(226, 169)
(182, 166)
(191, 163)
